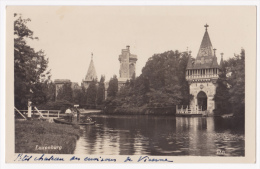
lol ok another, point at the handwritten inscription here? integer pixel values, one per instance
(100, 159)
(44, 157)
(128, 159)
(75, 158)
(22, 157)
(149, 159)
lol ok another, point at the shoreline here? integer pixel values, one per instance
(155, 112)
(42, 137)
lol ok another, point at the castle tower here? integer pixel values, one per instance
(91, 74)
(202, 74)
(127, 66)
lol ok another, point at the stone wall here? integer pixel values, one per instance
(124, 64)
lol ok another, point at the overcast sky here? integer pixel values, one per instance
(68, 35)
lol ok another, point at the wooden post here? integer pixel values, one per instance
(29, 109)
(48, 113)
(58, 114)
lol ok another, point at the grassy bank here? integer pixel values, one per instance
(44, 137)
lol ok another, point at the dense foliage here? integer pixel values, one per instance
(161, 84)
(30, 67)
(230, 92)
(101, 91)
(237, 83)
(113, 87)
(92, 93)
(65, 93)
(222, 92)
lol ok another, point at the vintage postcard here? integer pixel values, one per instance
(131, 84)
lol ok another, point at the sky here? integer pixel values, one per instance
(68, 35)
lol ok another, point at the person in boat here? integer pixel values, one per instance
(74, 115)
(89, 120)
(78, 114)
(69, 114)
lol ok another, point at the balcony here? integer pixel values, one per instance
(206, 76)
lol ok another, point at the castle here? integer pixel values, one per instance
(202, 74)
(90, 76)
(127, 66)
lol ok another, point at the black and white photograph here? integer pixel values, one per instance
(141, 83)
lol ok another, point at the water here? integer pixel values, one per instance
(162, 136)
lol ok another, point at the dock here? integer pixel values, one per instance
(186, 111)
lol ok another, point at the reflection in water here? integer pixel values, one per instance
(157, 135)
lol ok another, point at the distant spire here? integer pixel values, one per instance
(91, 74)
(206, 26)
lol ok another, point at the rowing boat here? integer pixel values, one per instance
(61, 121)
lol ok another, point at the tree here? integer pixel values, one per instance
(113, 87)
(29, 66)
(101, 91)
(164, 78)
(161, 84)
(237, 83)
(77, 94)
(92, 93)
(65, 93)
(45, 93)
(51, 91)
(83, 95)
(222, 95)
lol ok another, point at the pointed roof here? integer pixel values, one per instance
(91, 74)
(206, 48)
(206, 57)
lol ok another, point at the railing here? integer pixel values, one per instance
(48, 113)
(201, 76)
(189, 110)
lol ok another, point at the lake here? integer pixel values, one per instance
(162, 136)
